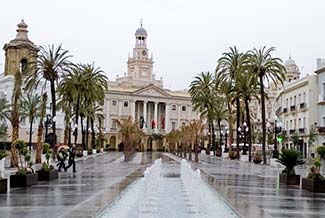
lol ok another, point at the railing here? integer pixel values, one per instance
(292, 131)
(292, 107)
(301, 130)
(321, 129)
(285, 110)
(302, 105)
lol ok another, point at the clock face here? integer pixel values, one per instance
(144, 53)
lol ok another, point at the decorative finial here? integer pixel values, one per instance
(141, 22)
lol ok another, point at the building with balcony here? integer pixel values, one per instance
(139, 95)
(297, 108)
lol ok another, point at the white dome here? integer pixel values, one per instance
(141, 32)
(289, 62)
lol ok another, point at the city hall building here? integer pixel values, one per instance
(140, 95)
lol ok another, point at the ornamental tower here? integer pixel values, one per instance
(292, 70)
(19, 52)
(140, 66)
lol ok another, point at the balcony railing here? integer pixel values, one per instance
(321, 129)
(301, 130)
(292, 131)
(292, 107)
(285, 110)
(284, 132)
(302, 105)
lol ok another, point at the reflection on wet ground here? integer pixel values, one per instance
(254, 190)
(84, 194)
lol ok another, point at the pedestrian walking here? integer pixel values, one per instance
(62, 156)
(72, 155)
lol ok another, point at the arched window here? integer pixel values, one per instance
(23, 65)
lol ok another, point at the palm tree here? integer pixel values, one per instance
(72, 91)
(40, 128)
(131, 136)
(229, 67)
(51, 63)
(268, 70)
(248, 88)
(220, 114)
(15, 117)
(201, 91)
(30, 107)
(172, 138)
(196, 129)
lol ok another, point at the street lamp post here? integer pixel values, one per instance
(226, 135)
(243, 130)
(30, 133)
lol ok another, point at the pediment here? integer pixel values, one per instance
(151, 90)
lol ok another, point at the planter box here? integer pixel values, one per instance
(48, 175)
(257, 161)
(289, 180)
(23, 180)
(3, 185)
(313, 185)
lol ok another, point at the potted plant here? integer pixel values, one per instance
(233, 154)
(25, 176)
(321, 152)
(47, 172)
(3, 181)
(257, 158)
(314, 182)
(290, 159)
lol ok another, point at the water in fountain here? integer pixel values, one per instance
(162, 193)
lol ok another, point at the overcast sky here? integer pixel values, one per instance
(185, 36)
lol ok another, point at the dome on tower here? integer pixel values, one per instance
(141, 31)
(290, 62)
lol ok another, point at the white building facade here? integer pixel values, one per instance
(139, 95)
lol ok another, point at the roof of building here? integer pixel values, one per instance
(141, 31)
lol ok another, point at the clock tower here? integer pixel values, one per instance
(140, 65)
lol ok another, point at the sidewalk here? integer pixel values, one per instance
(83, 194)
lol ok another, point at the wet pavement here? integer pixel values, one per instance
(253, 190)
(84, 194)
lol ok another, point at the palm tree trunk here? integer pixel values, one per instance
(209, 135)
(38, 158)
(30, 133)
(82, 133)
(66, 135)
(190, 151)
(220, 141)
(238, 124)
(77, 119)
(231, 132)
(87, 132)
(263, 117)
(93, 134)
(15, 136)
(53, 112)
(213, 139)
(249, 130)
(196, 148)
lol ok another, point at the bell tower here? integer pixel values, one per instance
(140, 66)
(20, 52)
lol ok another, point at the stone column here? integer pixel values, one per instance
(107, 113)
(167, 119)
(145, 114)
(132, 109)
(178, 107)
(189, 111)
(120, 105)
(156, 117)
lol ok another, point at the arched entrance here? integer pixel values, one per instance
(149, 143)
(112, 142)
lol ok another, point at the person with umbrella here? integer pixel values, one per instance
(62, 156)
(72, 155)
